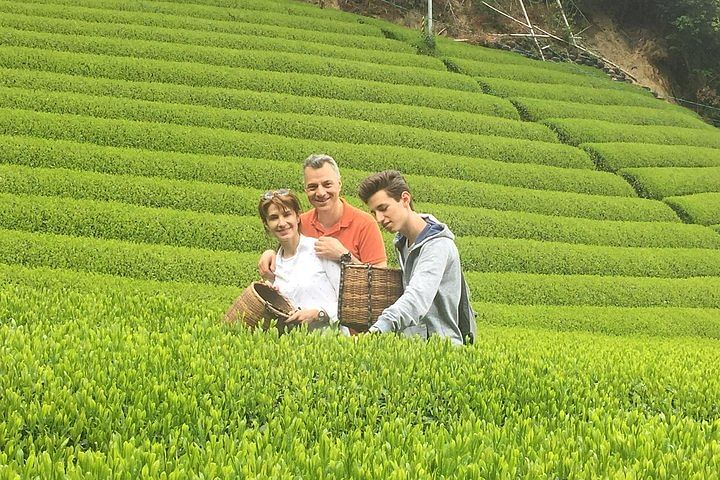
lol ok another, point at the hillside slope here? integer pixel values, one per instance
(135, 141)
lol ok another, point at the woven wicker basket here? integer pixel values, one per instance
(365, 291)
(259, 304)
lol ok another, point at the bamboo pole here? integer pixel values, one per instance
(532, 30)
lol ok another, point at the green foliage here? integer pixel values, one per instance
(217, 27)
(235, 58)
(702, 208)
(112, 220)
(508, 224)
(533, 289)
(539, 75)
(220, 141)
(614, 156)
(302, 84)
(128, 259)
(664, 182)
(421, 117)
(655, 321)
(570, 93)
(576, 131)
(535, 110)
(552, 258)
(215, 39)
(262, 418)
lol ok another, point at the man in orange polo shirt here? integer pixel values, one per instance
(344, 232)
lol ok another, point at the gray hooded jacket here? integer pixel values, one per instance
(435, 291)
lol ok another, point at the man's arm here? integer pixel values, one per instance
(416, 300)
(371, 244)
(266, 265)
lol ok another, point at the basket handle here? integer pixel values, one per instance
(369, 283)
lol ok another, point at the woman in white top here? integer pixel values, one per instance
(310, 282)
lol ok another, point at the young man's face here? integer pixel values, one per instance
(322, 186)
(391, 214)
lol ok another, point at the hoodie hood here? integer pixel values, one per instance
(433, 229)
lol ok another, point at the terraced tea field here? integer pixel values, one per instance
(135, 140)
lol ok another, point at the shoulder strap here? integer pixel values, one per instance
(466, 318)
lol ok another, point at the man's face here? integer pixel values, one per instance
(391, 214)
(322, 186)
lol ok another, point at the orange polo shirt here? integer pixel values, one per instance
(356, 230)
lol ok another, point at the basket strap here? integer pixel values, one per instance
(341, 290)
(369, 283)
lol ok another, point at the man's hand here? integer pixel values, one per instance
(306, 316)
(330, 248)
(266, 265)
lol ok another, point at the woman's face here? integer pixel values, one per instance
(282, 223)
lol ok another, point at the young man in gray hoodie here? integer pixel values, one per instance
(436, 299)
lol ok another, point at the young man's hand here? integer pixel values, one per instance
(266, 265)
(330, 248)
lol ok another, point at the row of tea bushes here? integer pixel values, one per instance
(216, 39)
(660, 182)
(216, 141)
(614, 156)
(112, 220)
(593, 290)
(472, 221)
(702, 208)
(286, 169)
(570, 93)
(134, 222)
(303, 84)
(420, 117)
(622, 321)
(218, 27)
(261, 417)
(128, 259)
(297, 125)
(578, 130)
(538, 75)
(536, 110)
(230, 199)
(555, 258)
(339, 24)
(234, 58)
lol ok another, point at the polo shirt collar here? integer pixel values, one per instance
(345, 219)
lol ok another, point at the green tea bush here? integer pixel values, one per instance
(262, 418)
(702, 208)
(614, 156)
(421, 117)
(535, 110)
(128, 259)
(664, 182)
(216, 141)
(621, 321)
(216, 39)
(231, 57)
(302, 84)
(534, 289)
(570, 93)
(224, 199)
(538, 75)
(577, 130)
(451, 48)
(337, 24)
(286, 169)
(121, 221)
(176, 22)
(280, 123)
(554, 258)
(470, 221)
(148, 192)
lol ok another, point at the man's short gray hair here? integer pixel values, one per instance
(317, 160)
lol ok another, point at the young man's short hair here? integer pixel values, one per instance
(391, 181)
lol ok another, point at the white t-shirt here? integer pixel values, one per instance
(308, 280)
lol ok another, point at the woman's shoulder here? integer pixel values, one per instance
(307, 242)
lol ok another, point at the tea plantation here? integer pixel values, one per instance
(135, 140)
